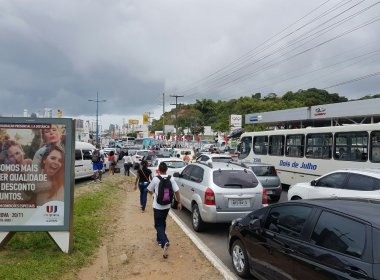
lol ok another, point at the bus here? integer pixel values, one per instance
(129, 141)
(304, 154)
(145, 143)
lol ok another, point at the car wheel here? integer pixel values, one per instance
(198, 224)
(296, 197)
(275, 198)
(240, 259)
(174, 203)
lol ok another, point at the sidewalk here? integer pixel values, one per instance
(129, 250)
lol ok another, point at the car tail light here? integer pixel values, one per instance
(209, 197)
(264, 199)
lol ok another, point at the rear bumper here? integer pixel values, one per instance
(210, 215)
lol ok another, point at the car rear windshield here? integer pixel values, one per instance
(264, 170)
(221, 159)
(235, 179)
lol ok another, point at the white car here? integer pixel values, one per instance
(174, 165)
(214, 158)
(363, 183)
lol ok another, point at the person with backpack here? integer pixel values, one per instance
(97, 163)
(164, 188)
(143, 178)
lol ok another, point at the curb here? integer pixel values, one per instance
(215, 261)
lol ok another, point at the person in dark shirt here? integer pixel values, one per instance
(143, 178)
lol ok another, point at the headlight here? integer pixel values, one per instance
(234, 221)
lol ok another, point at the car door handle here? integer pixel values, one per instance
(356, 272)
(192, 189)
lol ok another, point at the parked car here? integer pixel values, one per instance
(308, 239)
(340, 183)
(267, 175)
(83, 163)
(218, 192)
(214, 158)
(174, 165)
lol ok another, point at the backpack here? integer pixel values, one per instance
(165, 191)
(95, 156)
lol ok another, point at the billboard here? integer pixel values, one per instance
(130, 121)
(235, 122)
(36, 174)
(145, 118)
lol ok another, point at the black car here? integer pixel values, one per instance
(308, 239)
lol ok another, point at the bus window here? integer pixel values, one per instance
(276, 145)
(295, 145)
(375, 146)
(245, 147)
(351, 146)
(319, 145)
(260, 144)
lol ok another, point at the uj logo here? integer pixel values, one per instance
(51, 208)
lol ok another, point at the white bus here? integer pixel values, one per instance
(301, 155)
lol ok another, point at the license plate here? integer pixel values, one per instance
(238, 202)
(269, 192)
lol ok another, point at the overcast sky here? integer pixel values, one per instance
(59, 54)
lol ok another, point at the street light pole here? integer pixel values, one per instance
(97, 115)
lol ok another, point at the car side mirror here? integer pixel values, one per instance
(176, 174)
(255, 225)
(313, 183)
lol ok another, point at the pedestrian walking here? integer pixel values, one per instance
(97, 163)
(143, 178)
(128, 162)
(186, 157)
(112, 160)
(158, 187)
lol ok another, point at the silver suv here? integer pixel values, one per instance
(218, 192)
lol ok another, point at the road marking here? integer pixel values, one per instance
(216, 262)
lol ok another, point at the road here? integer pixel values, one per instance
(215, 235)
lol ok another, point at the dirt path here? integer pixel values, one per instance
(129, 250)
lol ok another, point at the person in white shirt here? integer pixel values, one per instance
(127, 163)
(161, 211)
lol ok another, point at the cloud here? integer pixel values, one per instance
(60, 54)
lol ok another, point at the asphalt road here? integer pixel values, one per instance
(216, 235)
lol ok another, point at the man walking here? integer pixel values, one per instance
(97, 163)
(161, 211)
(128, 162)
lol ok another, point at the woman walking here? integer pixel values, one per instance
(143, 178)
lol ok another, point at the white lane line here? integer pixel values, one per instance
(217, 263)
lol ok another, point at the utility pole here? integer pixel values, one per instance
(97, 115)
(176, 115)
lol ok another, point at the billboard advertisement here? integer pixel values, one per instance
(36, 173)
(130, 121)
(235, 121)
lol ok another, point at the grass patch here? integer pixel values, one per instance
(33, 255)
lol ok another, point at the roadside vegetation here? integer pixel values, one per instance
(33, 255)
(207, 112)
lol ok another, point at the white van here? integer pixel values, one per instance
(83, 163)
